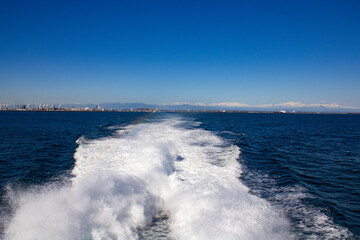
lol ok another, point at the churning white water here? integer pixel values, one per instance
(123, 182)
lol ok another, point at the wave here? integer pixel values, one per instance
(308, 221)
(123, 183)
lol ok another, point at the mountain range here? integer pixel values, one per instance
(289, 107)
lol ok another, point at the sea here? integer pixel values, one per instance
(223, 176)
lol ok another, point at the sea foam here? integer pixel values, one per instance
(124, 181)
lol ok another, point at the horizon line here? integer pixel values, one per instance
(289, 104)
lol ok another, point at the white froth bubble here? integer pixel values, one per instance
(122, 182)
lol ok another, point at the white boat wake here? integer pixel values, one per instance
(123, 183)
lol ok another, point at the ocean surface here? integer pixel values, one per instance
(108, 175)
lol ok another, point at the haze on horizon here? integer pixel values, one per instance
(256, 53)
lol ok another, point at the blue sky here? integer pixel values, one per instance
(252, 52)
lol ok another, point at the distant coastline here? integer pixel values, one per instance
(150, 110)
(288, 108)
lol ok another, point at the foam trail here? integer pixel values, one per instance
(122, 182)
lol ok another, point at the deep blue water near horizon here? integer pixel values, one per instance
(306, 165)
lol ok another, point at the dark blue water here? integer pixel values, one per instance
(38, 146)
(308, 166)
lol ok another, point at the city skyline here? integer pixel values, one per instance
(289, 107)
(204, 53)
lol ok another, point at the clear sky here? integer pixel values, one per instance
(253, 52)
